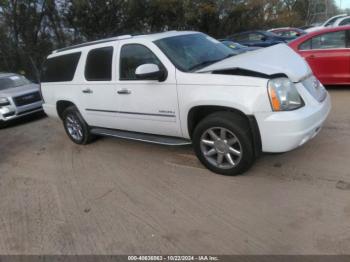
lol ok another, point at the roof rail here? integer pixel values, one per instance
(106, 40)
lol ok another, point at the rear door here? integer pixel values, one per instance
(97, 87)
(329, 57)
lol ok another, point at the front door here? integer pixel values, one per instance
(329, 57)
(148, 106)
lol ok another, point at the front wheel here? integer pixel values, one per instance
(223, 143)
(75, 126)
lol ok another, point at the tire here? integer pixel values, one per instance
(75, 126)
(220, 134)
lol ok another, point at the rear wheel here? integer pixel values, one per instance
(75, 126)
(223, 143)
(2, 124)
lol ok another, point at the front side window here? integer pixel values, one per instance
(332, 40)
(99, 64)
(329, 41)
(193, 51)
(13, 81)
(60, 68)
(132, 56)
(306, 45)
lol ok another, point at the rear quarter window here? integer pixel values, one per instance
(60, 68)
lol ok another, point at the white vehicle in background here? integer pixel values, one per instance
(177, 88)
(331, 22)
(18, 97)
(342, 21)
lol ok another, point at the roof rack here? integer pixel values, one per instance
(106, 40)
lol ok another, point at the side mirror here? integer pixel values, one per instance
(263, 38)
(150, 72)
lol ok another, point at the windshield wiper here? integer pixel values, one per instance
(208, 62)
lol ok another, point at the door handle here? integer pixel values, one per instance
(124, 91)
(311, 56)
(87, 91)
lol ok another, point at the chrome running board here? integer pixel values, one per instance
(149, 138)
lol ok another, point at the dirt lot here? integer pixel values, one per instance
(123, 197)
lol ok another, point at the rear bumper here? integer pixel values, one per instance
(285, 131)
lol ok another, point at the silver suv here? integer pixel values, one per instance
(18, 97)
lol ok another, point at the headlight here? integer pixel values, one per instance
(4, 101)
(283, 95)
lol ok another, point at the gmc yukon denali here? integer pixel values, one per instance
(176, 88)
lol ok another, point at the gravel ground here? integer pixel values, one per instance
(123, 197)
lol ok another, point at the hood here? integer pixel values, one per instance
(15, 91)
(278, 59)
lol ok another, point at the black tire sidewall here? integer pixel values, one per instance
(239, 128)
(85, 128)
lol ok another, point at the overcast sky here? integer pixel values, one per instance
(344, 3)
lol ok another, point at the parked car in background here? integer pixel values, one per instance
(176, 88)
(329, 23)
(289, 33)
(328, 54)
(238, 48)
(342, 21)
(257, 38)
(18, 97)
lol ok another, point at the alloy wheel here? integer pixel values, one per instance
(221, 147)
(74, 127)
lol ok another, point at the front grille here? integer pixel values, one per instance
(27, 99)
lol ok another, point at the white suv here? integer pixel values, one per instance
(176, 88)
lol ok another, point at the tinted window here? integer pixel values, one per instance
(99, 64)
(60, 68)
(132, 56)
(13, 81)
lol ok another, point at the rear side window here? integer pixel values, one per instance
(99, 64)
(60, 68)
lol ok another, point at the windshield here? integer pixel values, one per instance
(193, 51)
(13, 81)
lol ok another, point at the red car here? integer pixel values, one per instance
(328, 53)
